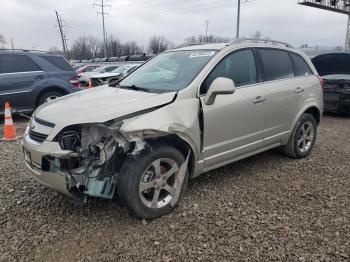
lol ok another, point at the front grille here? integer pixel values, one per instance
(37, 137)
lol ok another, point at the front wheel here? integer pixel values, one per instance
(49, 96)
(303, 138)
(152, 183)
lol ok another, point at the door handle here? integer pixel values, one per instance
(299, 90)
(39, 77)
(259, 100)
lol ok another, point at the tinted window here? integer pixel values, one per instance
(332, 64)
(300, 66)
(238, 66)
(58, 61)
(12, 63)
(277, 64)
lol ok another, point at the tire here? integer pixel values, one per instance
(140, 170)
(46, 96)
(303, 138)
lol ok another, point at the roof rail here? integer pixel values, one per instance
(25, 50)
(260, 40)
(192, 44)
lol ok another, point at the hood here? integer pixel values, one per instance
(332, 64)
(99, 105)
(111, 74)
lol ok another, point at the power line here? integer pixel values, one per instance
(183, 9)
(103, 13)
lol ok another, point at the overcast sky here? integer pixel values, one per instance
(33, 23)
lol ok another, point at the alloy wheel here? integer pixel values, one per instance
(159, 183)
(305, 136)
(50, 98)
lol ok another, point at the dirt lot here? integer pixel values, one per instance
(265, 208)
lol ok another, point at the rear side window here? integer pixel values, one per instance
(300, 66)
(238, 66)
(58, 61)
(12, 63)
(276, 64)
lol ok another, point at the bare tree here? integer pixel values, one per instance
(95, 47)
(206, 39)
(86, 48)
(80, 49)
(2, 39)
(114, 46)
(257, 35)
(55, 50)
(131, 48)
(158, 44)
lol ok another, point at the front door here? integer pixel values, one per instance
(234, 124)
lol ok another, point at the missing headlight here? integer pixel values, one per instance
(69, 140)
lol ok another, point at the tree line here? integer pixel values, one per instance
(88, 47)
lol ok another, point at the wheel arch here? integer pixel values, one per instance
(180, 144)
(315, 112)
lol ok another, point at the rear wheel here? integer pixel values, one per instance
(49, 96)
(303, 138)
(151, 184)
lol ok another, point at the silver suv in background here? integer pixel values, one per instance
(183, 113)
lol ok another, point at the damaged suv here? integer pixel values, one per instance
(182, 113)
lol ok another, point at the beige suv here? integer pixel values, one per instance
(183, 113)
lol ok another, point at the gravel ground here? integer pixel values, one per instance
(265, 208)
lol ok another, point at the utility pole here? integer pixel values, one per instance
(12, 46)
(206, 30)
(59, 21)
(238, 18)
(64, 39)
(103, 13)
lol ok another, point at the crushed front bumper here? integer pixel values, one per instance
(33, 155)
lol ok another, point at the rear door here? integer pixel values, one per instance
(234, 124)
(284, 92)
(18, 78)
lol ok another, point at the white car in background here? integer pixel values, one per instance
(84, 78)
(116, 74)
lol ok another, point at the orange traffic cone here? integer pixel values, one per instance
(9, 128)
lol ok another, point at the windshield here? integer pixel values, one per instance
(99, 69)
(171, 71)
(121, 69)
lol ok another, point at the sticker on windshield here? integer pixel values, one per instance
(201, 54)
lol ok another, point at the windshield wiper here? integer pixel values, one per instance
(134, 87)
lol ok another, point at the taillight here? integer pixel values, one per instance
(74, 81)
(321, 81)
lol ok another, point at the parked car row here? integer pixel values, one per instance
(129, 58)
(92, 75)
(85, 77)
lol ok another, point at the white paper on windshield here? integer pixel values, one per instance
(201, 54)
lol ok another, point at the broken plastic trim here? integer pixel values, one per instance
(181, 178)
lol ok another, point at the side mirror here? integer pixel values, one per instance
(220, 86)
